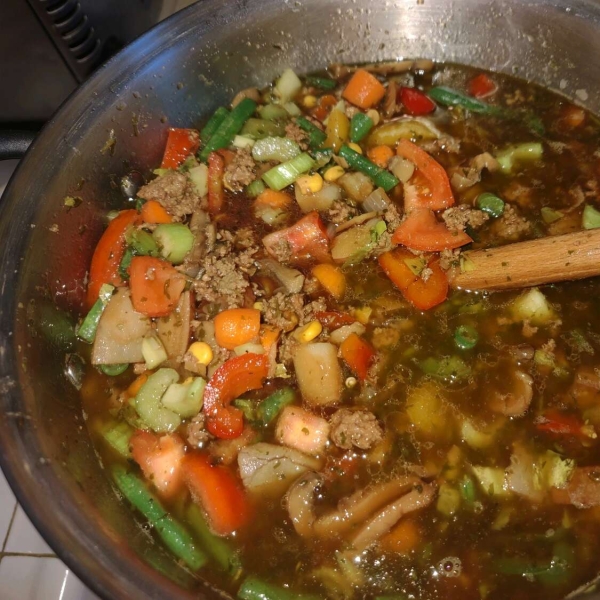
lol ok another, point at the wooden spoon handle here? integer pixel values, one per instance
(524, 264)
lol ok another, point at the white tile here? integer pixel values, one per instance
(29, 578)
(24, 538)
(7, 508)
(76, 590)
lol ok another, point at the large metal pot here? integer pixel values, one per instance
(176, 75)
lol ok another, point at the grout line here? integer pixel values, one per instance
(27, 555)
(12, 519)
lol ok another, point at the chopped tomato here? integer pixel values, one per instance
(305, 240)
(160, 459)
(430, 186)
(420, 230)
(216, 194)
(333, 319)
(571, 117)
(109, 253)
(561, 423)
(217, 491)
(415, 102)
(482, 86)
(232, 379)
(326, 103)
(420, 293)
(180, 144)
(155, 286)
(358, 354)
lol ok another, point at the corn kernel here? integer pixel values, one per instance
(355, 147)
(202, 352)
(307, 333)
(333, 173)
(258, 306)
(374, 116)
(309, 101)
(310, 184)
(363, 314)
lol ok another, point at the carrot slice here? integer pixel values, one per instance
(363, 89)
(180, 144)
(273, 199)
(108, 255)
(155, 213)
(217, 490)
(332, 278)
(155, 286)
(236, 326)
(380, 155)
(436, 193)
(422, 231)
(403, 538)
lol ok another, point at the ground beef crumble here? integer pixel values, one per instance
(458, 218)
(196, 434)
(240, 172)
(174, 190)
(511, 225)
(296, 134)
(449, 259)
(286, 311)
(341, 212)
(355, 428)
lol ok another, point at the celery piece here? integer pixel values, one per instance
(185, 399)
(590, 218)
(257, 129)
(172, 533)
(279, 149)
(87, 329)
(466, 337)
(256, 188)
(231, 124)
(288, 85)
(153, 351)
(148, 402)
(448, 501)
(175, 241)
(448, 368)
(273, 112)
(549, 215)
(527, 152)
(286, 173)
(141, 242)
(117, 434)
(199, 177)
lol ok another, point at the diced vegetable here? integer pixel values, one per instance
(87, 330)
(465, 337)
(175, 241)
(108, 254)
(523, 153)
(237, 326)
(213, 124)
(561, 423)
(175, 537)
(155, 286)
(337, 129)
(302, 430)
(416, 102)
(316, 135)
(476, 438)
(331, 278)
(427, 411)
(229, 126)
(363, 89)
(278, 149)
(414, 129)
(180, 144)
(319, 374)
(491, 204)
(321, 200)
(185, 398)
(286, 173)
(357, 186)
(533, 306)
(448, 501)
(273, 112)
(491, 480)
(148, 402)
(154, 212)
(216, 489)
(450, 97)
(482, 86)
(117, 435)
(549, 215)
(360, 126)
(288, 85)
(321, 82)
(253, 588)
(257, 129)
(380, 177)
(325, 104)
(358, 355)
(271, 406)
(256, 188)
(590, 218)
(449, 368)
(153, 351)
(232, 379)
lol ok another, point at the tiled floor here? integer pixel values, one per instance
(29, 570)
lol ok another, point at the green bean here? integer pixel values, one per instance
(491, 204)
(316, 136)
(254, 588)
(358, 162)
(360, 125)
(87, 329)
(270, 407)
(213, 124)
(172, 533)
(321, 82)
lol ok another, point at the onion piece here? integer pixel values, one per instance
(521, 475)
(341, 333)
(300, 503)
(291, 279)
(174, 330)
(377, 201)
(120, 332)
(352, 245)
(403, 169)
(270, 467)
(321, 200)
(358, 220)
(357, 185)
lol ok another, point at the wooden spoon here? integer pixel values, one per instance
(524, 264)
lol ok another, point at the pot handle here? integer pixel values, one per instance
(14, 142)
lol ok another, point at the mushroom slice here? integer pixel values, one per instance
(515, 401)
(300, 503)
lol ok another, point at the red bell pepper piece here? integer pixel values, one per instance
(415, 102)
(160, 459)
(482, 86)
(109, 253)
(232, 379)
(436, 192)
(180, 144)
(216, 194)
(420, 230)
(560, 423)
(306, 239)
(323, 108)
(358, 354)
(217, 490)
(420, 293)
